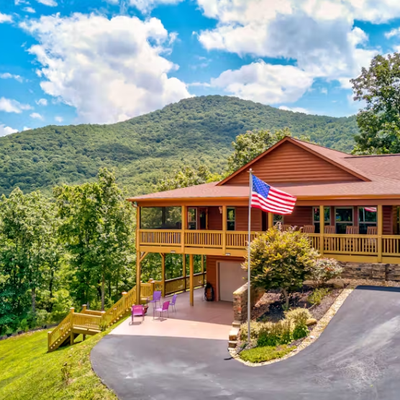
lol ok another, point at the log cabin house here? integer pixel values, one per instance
(347, 204)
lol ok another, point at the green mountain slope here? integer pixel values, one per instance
(195, 130)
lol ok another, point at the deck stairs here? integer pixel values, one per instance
(91, 322)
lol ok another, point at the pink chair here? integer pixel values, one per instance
(162, 310)
(137, 311)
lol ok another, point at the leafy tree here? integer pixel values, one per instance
(27, 232)
(280, 260)
(97, 228)
(379, 121)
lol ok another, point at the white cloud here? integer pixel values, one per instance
(295, 109)
(108, 69)
(36, 116)
(7, 75)
(393, 32)
(50, 3)
(41, 102)
(5, 18)
(29, 10)
(26, 128)
(13, 106)
(265, 83)
(58, 119)
(146, 6)
(6, 130)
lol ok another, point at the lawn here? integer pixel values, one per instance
(28, 372)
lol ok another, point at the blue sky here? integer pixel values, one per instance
(103, 61)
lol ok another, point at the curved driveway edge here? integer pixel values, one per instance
(356, 357)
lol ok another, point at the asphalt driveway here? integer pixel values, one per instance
(356, 357)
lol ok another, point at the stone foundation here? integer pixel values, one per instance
(371, 271)
(240, 302)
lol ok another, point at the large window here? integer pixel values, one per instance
(344, 218)
(160, 217)
(316, 218)
(230, 219)
(192, 218)
(366, 218)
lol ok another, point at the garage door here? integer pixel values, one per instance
(230, 278)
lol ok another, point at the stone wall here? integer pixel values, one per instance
(374, 271)
(240, 302)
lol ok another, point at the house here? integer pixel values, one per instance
(348, 204)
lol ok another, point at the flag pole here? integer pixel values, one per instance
(248, 258)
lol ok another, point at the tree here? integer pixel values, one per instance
(97, 228)
(280, 260)
(379, 121)
(251, 144)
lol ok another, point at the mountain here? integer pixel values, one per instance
(195, 130)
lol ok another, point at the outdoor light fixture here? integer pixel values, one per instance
(220, 210)
(227, 254)
(173, 251)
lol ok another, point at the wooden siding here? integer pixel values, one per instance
(387, 220)
(242, 218)
(211, 264)
(214, 219)
(301, 216)
(289, 164)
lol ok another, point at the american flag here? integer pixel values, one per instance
(370, 209)
(271, 199)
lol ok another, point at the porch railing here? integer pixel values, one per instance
(182, 283)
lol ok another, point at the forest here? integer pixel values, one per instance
(195, 131)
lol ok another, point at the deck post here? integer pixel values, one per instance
(380, 230)
(84, 308)
(184, 225)
(184, 269)
(191, 280)
(270, 220)
(71, 334)
(202, 267)
(321, 229)
(138, 263)
(124, 300)
(163, 273)
(224, 223)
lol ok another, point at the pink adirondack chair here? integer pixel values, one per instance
(162, 310)
(137, 311)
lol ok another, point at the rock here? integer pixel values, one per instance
(338, 284)
(311, 321)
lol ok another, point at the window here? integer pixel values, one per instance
(160, 218)
(230, 219)
(316, 218)
(366, 218)
(192, 218)
(343, 218)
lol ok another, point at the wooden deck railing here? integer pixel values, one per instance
(182, 283)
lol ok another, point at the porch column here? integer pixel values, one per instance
(191, 280)
(163, 273)
(270, 220)
(380, 230)
(184, 225)
(184, 269)
(138, 263)
(321, 229)
(224, 223)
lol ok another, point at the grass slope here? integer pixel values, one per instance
(28, 372)
(195, 130)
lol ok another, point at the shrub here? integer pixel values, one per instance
(323, 270)
(267, 353)
(317, 295)
(300, 331)
(24, 325)
(254, 330)
(299, 316)
(281, 260)
(273, 334)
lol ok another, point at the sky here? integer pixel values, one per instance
(102, 61)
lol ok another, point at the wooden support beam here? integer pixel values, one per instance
(138, 277)
(321, 229)
(224, 223)
(380, 230)
(184, 227)
(184, 268)
(163, 273)
(191, 280)
(143, 255)
(270, 220)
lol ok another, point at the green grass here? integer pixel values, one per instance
(28, 372)
(267, 353)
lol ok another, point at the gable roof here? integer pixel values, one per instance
(334, 157)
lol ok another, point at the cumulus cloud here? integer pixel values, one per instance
(59, 119)
(6, 130)
(13, 106)
(392, 33)
(146, 6)
(7, 75)
(318, 35)
(36, 115)
(50, 3)
(265, 83)
(108, 69)
(41, 102)
(295, 109)
(5, 18)
(29, 10)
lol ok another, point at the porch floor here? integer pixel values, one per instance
(205, 320)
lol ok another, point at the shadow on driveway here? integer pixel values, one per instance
(356, 357)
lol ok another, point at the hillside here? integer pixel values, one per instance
(199, 129)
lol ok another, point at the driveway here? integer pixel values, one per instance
(356, 357)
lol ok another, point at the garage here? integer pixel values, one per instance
(231, 277)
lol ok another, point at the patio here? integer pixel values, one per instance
(206, 320)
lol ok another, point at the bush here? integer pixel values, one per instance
(317, 295)
(323, 270)
(273, 334)
(267, 353)
(23, 325)
(254, 330)
(281, 260)
(299, 316)
(300, 331)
